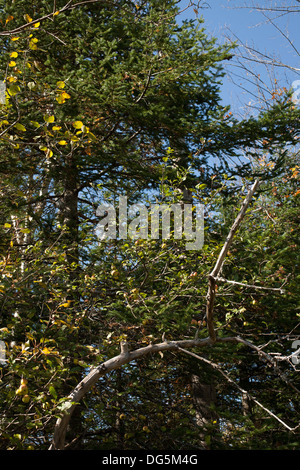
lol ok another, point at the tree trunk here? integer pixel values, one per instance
(204, 399)
(69, 220)
(69, 213)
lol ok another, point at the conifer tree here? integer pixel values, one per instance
(106, 99)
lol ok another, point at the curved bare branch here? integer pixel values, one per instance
(111, 364)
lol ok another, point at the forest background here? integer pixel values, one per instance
(141, 344)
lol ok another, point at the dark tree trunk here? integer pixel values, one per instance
(204, 399)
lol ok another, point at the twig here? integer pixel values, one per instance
(224, 374)
(211, 294)
(274, 289)
(145, 88)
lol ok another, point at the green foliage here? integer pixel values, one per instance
(104, 100)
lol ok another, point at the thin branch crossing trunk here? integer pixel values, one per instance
(125, 356)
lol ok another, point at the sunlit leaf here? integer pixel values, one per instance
(49, 119)
(8, 19)
(27, 18)
(13, 90)
(77, 124)
(20, 127)
(53, 392)
(62, 97)
(46, 351)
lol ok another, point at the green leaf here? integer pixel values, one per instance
(35, 124)
(13, 90)
(20, 127)
(53, 392)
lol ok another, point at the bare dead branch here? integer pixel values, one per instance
(114, 363)
(250, 286)
(229, 379)
(211, 294)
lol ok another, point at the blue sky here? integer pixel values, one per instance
(230, 19)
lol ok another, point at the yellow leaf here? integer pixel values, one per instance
(61, 84)
(62, 97)
(8, 19)
(32, 44)
(14, 38)
(66, 304)
(56, 128)
(46, 351)
(49, 118)
(20, 127)
(13, 90)
(77, 124)
(49, 153)
(36, 25)
(65, 95)
(28, 18)
(35, 124)
(56, 13)
(13, 55)
(62, 142)
(7, 225)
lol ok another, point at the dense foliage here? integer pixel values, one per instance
(113, 99)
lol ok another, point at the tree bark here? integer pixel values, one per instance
(204, 398)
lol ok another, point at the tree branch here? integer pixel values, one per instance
(211, 294)
(250, 286)
(124, 357)
(224, 374)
